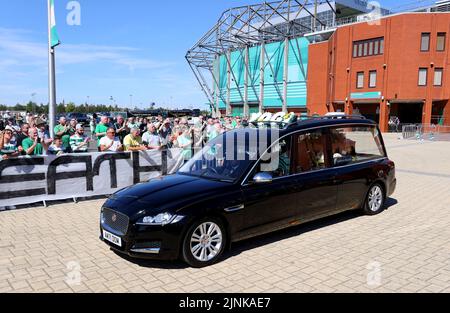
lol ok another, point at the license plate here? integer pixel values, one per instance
(112, 238)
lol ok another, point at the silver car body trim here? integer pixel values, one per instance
(147, 250)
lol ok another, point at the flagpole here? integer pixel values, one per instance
(51, 76)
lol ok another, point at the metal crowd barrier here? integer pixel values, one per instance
(430, 132)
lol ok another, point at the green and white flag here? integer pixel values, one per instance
(54, 34)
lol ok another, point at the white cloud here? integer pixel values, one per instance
(17, 48)
(24, 64)
(122, 56)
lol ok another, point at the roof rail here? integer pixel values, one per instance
(337, 115)
(343, 116)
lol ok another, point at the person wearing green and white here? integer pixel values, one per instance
(56, 148)
(79, 141)
(132, 123)
(228, 124)
(73, 125)
(184, 142)
(215, 131)
(31, 145)
(7, 148)
(63, 130)
(101, 129)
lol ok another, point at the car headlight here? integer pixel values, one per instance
(160, 219)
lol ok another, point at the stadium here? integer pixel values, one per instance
(257, 56)
(298, 56)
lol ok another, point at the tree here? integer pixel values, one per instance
(42, 109)
(19, 107)
(71, 108)
(31, 106)
(61, 108)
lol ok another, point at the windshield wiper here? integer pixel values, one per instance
(218, 179)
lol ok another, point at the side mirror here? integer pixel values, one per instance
(262, 178)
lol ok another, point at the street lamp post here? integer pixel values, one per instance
(33, 101)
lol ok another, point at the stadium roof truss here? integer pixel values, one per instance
(246, 26)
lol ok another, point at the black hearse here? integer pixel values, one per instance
(232, 189)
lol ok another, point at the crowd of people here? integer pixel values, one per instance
(30, 136)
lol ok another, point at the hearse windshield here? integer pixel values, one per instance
(228, 156)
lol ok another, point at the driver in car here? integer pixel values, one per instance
(284, 161)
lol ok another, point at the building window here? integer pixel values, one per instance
(363, 48)
(423, 73)
(438, 76)
(375, 47)
(425, 42)
(372, 79)
(360, 80)
(440, 44)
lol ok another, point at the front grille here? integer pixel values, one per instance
(116, 221)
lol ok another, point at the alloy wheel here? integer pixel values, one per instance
(375, 198)
(206, 241)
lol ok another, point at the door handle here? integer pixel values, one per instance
(234, 208)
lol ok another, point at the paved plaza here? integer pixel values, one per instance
(404, 249)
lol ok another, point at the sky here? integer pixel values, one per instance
(120, 48)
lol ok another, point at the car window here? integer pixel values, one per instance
(355, 145)
(277, 160)
(224, 158)
(310, 152)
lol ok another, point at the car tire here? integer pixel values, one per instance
(375, 200)
(204, 242)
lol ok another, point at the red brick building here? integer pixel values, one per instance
(396, 66)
